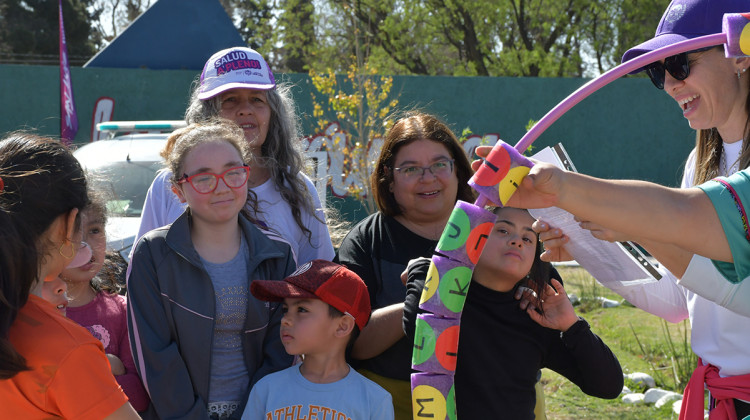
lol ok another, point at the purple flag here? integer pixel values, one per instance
(68, 117)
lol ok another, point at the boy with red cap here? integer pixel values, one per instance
(325, 305)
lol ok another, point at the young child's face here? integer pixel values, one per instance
(94, 235)
(55, 292)
(224, 203)
(510, 249)
(306, 326)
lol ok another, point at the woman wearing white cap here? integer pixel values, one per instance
(237, 84)
(713, 93)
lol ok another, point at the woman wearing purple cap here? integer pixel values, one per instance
(713, 93)
(238, 85)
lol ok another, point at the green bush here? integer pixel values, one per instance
(642, 343)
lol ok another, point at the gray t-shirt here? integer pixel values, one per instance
(229, 377)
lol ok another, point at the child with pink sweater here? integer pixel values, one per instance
(95, 304)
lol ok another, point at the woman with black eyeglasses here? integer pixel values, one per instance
(713, 93)
(200, 340)
(421, 172)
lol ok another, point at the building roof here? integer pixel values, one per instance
(171, 34)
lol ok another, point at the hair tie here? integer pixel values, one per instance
(2, 185)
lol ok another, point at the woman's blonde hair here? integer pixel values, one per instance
(709, 147)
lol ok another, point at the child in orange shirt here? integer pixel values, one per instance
(49, 366)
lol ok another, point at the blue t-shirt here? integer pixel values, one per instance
(287, 394)
(229, 376)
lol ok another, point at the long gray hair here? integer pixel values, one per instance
(281, 151)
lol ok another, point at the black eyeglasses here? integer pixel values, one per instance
(678, 67)
(439, 169)
(207, 182)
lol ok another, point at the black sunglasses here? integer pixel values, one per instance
(678, 67)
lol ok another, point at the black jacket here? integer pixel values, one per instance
(501, 349)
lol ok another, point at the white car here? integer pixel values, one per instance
(122, 168)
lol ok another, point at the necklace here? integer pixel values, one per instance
(734, 167)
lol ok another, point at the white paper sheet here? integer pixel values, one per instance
(605, 261)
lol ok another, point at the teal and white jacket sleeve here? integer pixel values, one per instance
(723, 282)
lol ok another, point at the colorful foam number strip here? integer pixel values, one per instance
(433, 396)
(445, 287)
(456, 253)
(435, 344)
(437, 332)
(737, 28)
(501, 172)
(465, 233)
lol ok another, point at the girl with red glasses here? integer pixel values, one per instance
(199, 339)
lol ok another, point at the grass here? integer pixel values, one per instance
(638, 339)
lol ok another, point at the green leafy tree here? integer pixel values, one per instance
(361, 103)
(528, 38)
(297, 34)
(474, 38)
(29, 31)
(612, 27)
(398, 37)
(253, 19)
(284, 32)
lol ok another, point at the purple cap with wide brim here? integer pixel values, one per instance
(687, 19)
(235, 68)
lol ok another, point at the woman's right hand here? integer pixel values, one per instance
(543, 187)
(554, 239)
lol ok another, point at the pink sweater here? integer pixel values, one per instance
(723, 390)
(106, 318)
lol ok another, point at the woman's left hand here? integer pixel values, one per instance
(558, 311)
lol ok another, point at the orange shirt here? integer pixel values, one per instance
(70, 376)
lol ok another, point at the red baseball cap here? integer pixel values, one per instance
(332, 283)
